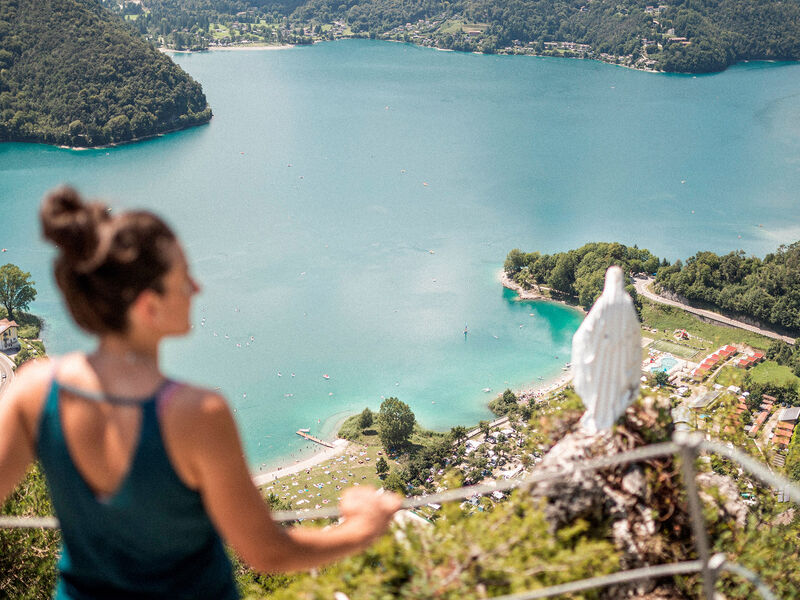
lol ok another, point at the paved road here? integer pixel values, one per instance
(6, 368)
(642, 284)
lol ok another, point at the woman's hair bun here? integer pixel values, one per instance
(71, 224)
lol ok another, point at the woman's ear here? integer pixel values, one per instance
(146, 310)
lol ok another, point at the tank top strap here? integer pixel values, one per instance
(50, 406)
(164, 395)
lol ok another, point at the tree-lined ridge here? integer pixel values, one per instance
(72, 74)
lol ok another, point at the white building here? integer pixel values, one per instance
(8, 335)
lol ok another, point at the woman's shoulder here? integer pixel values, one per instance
(191, 402)
(28, 389)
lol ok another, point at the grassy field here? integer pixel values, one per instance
(458, 26)
(679, 350)
(771, 372)
(322, 484)
(710, 336)
(728, 376)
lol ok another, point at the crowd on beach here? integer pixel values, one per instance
(339, 472)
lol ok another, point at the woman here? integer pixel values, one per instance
(147, 475)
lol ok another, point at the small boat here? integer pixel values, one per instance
(304, 430)
(326, 376)
(487, 390)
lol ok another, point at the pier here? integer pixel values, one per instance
(313, 439)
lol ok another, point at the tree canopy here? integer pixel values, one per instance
(17, 290)
(396, 423)
(578, 273)
(767, 290)
(71, 73)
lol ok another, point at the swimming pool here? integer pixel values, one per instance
(665, 364)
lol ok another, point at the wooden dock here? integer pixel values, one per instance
(313, 439)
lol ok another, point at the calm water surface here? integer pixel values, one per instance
(350, 205)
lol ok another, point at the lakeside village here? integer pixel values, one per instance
(705, 383)
(440, 32)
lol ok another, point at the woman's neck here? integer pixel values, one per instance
(126, 367)
(128, 351)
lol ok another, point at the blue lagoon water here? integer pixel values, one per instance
(350, 205)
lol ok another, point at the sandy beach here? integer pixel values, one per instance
(339, 447)
(535, 392)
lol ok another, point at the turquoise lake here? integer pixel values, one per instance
(349, 208)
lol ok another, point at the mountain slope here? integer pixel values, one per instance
(71, 73)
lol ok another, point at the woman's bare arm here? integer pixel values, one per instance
(20, 406)
(242, 516)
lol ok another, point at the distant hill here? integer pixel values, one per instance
(692, 36)
(71, 73)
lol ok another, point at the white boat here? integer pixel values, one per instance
(487, 390)
(304, 430)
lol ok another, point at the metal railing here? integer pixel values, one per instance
(687, 445)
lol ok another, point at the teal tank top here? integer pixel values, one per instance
(151, 539)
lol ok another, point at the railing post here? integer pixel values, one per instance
(690, 449)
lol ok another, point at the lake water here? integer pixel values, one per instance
(350, 205)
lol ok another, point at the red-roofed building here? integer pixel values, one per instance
(759, 421)
(781, 442)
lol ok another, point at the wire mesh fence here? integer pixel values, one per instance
(688, 446)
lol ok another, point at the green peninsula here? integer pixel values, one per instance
(71, 73)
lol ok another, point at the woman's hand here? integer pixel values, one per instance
(369, 509)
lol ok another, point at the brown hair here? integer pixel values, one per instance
(105, 261)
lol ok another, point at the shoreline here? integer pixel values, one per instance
(532, 392)
(496, 53)
(543, 388)
(143, 138)
(524, 294)
(235, 48)
(339, 447)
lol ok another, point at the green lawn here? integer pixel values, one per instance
(679, 350)
(728, 376)
(318, 485)
(451, 26)
(771, 372)
(711, 336)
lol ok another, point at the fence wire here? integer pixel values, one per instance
(686, 445)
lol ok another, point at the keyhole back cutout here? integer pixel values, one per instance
(102, 439)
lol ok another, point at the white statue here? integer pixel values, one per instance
(606, 355)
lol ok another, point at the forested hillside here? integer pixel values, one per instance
(767, 290)
(681, 35)
(71, 73)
